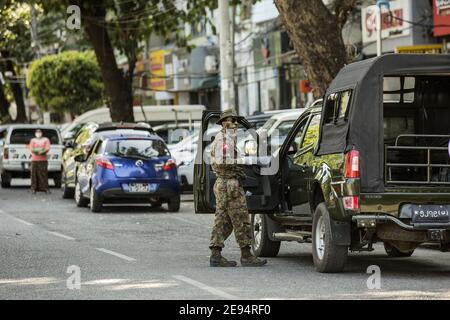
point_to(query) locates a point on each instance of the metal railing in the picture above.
(429, 165)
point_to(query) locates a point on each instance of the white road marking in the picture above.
(24, 222)
(205, 287)
(57, 234)
(17, 219)
(119, 255)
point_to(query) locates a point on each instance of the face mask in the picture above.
(38, 135)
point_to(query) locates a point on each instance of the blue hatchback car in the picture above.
(127, 169)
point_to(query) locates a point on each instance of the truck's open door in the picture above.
(260, 194)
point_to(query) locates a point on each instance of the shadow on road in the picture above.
(434, 265)
(130, 209)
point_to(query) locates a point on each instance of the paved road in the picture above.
(147, 253)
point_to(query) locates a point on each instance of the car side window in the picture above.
(298, 137)
(330, 107)
(312, 132)
(337, 107)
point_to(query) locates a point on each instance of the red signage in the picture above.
(441, 17)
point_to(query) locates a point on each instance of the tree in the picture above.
(316, 33)
(67, 82)
(4, 105)
(126, 26)
(15, 47)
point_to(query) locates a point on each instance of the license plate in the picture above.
(430, 213)
(142, 187)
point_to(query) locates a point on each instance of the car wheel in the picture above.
(6, 180)
(327, 256)
(174, 204)
(57, 179)
(261, 244)
(393, 252)
(67, 193)
(80, 200)
(96, 203)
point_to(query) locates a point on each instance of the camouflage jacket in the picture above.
(225, 157)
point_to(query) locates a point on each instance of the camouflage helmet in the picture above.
(230, 113)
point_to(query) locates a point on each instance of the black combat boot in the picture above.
(216, 259)
(249, 260)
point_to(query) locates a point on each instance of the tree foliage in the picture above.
(66, 82)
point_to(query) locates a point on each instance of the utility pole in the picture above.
(377, 8)
(226, 58)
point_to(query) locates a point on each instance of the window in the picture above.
(298, 136)
(337, 107)
(24, 136)
(344, 104)
(330, 107)
(284, 128)
(312, 133)
(133, 148)
(398, 89)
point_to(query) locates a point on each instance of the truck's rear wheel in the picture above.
(327, 256)
(261, 244)
(395, 253)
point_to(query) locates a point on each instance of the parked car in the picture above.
(85, 140)
(173, 133)
(15, 161)
(153, 115)
(371, 165)
(123, 168)
(184, 154)
(257, 120)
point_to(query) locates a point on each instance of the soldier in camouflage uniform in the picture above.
(231, 205)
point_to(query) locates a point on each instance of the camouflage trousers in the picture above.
(231, 214)
(39, 175)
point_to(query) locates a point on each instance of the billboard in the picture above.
(441, 17)
(390, 27)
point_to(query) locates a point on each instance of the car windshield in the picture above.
(269, 123)
(24, 136)
(137, 148)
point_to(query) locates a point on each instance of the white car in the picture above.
(15, 161)
(184, 153)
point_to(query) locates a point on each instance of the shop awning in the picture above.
(208, 83)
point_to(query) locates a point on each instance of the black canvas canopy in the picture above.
(364, 129)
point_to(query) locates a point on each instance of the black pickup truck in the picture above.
(371, 164)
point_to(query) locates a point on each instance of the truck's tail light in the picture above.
(170, 164)
(351, 169)
(6, 153)
(351, 203)
(104, 163)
